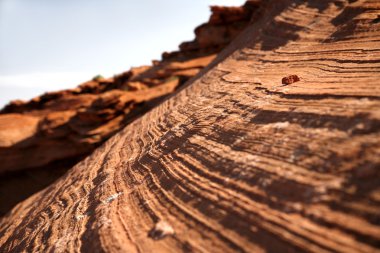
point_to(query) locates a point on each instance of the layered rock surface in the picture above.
(42, 138)
(236, 161)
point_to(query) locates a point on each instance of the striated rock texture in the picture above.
(42, 138)
(236, 161)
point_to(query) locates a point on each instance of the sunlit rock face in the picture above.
(272, 147)
(42, 138)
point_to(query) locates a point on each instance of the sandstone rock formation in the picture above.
(42, 138)
(236, 161)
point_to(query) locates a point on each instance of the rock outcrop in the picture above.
(44, 137)
(237, 161)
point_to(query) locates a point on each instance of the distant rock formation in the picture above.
(42, 138)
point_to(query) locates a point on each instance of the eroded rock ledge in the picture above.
(42, 138)
(237, 161)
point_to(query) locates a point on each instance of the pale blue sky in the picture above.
(47, 45)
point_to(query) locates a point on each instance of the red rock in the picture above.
(232, 162)
(62, 127)
(290, 79)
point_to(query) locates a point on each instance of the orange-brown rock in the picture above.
(235, 161)
(225, 24)
(58, 129)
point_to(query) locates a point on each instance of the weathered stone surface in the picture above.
(62, 127)
(237, 161)
(14, 128)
